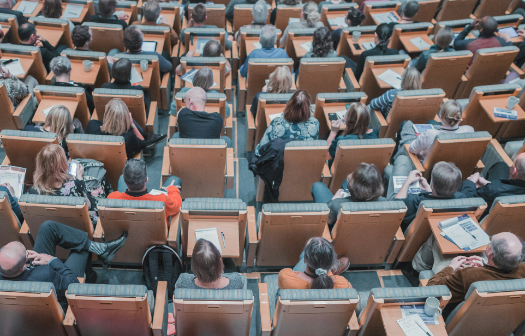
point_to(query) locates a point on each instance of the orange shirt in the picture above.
(172, 202)
(288, 279)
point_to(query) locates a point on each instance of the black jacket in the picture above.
(48, 52)
(497, 188)
(111, 20)
(88, 90)
(20, 18)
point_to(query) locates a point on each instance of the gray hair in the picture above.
(268, 36)
(60, 65)
(135, 174)
(151, 10)
(519, 164)
(504, 258)
(260, 12)
(446, 179)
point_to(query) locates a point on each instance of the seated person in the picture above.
(382, 37)
(212, 48)
(106, 14)
(357, 121)
(322, 45)
(61, 68)
(441, 44)
(310, 18)
(260, 15)
(198, 19)
(267, 40)
(195, 123)
(364, 184)
(47, 267)
(408, 11)
(16, 89)
(121, 73)
(28, 36)
(296, 122)
(59, 121)
(411, 80)
(118, 121)
(318, 268)
(135, 177)
(53, 9)
(354, 17)
(5, 8)
(273, 14)
(208, 270)
(230, 8)
(82, 37)
(500, 181)
(280, 81)
(151, 13)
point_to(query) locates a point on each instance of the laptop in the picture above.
(149, 46)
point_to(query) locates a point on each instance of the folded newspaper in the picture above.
(15, 176)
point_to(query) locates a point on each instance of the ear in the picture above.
(147, 179)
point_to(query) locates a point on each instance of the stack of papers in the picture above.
(135, 76)
(200, 45)
(292, 20)
(27, 7)
(392, 78)
(369, 45)
(257, 45)
(338, 22)
(14, 67)
(419, 310)
(413, 325)
(72, 11)
(210, 235)
(275, 115)
(385, 17)
(15, 176)
(414, 188)
(464, 232)
(420, 43)
(188, 77)
(307, 46)
(505, 113)
(341, 114)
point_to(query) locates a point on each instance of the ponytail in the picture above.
(319, 256)
(451, 113)
(383, 32)
(323, 281)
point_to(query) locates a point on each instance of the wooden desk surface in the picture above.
(489, 103)
(128, 11)
(146, 76)
(445, 245)
(250, 44)
(379, 71)
(409, 46)
(334, 15)
(297, 41)
(79, 75)
(230, 228)
(391, 313)
(25, 61)
(272, 110)
(362, 39)
(51, 34)
(37, 10)
(333, 108)
(48, 102)
(156, 38)
(81, 18)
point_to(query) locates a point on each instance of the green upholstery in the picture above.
(415, 93)
(307, 143)
(102, 25)
(55, 200)
(273, 61)
(83, 53)
(37, 19)
(294, 207)
(197, 142)
(117, 203)
(84, 289)
(373, 206)
(213, 294)
(214, 206)
(458, 136)
(25, 134)
(119, 92)
(26, 286)
(515, 199)
(91, 137)
(366, 142)
(61, 89)
(454, 204)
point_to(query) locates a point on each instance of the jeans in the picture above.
(122, 187)
(402, 167)
(224, 137)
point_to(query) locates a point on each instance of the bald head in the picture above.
(517, 171)
(12, 259)
(506, 251)
(195, 99)
(487, 26)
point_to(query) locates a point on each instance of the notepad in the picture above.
(119, 13)
(413, 325)
(292, 20)
(505, 113)
(135, 76)
(422, 128)
(27, 7)
(392, 78)
(464, 232)
(509, 30)
(385, 17)
(210, 235)
(15, 176)
(338, 21)
(72, 11)
(15, 68)
(408, 310)
(257, 45)
(369, 45)
(200, 45)
(149, 46)
(155, 192)
(307, 46)
(159, 19)
(275, 115)
(420, 43)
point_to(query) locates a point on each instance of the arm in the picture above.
(469, 189)
(244, 67)
(422, 142)
(14, 204)
(63, 275)
(460, 43)
(173, 201)
(164, 64)
(336, 124)
(174, 36)
(229, 11)
(422, 61)
(520, 59)
(412, 177)
(381, 101)
(360, 66)
(452, 277)
(264, 140)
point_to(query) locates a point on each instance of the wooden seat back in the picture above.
(214, 63)
(55, 31)
(456, 10)
(331, 11)
(10, 21)
(135, 104)
(427, 10)
(505, 215)
(80, 56)
(191, 35)
(171, 12)
(284, 13)
(492, 8)
(11, 118)
(8, 221)
(320, 75)
(260, 69)
(242, 15)
(29, 55)
(410, 30)
(215, 14)
(377, 7)
(454, 64)
(251, 35)
(106, 37)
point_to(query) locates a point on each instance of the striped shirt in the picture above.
(384, 102)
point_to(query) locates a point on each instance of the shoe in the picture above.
(91, 277)
(154, 139)
(341, 266)
(112, 247)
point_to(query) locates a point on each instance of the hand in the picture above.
(42, 259)
(110, 59)
(123, 17)
(475, 261)
(458, 262)
(9, 187)
(30, 255)
(338, 194)
(191, 23)
(80, 172)
(505, 36)
(164, 20)
(39, 44)
(482, 182)
(474, 23)
(40, 38)
(521, 32)
(4, 72)
(265, 88)
(190, 53)
(131, 120)
(424, 184)
(413, 176)
(336, 125)
(474, 178)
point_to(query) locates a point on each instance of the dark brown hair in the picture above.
(121, 71)
(212, 48)
(132, 38)
(52, 9)
(365, 183)
(80, 35)
(319, 255)
(357, 120)
(206, 261)
(106, 7)
(298, 107)
(198, 13)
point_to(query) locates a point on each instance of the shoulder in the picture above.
(237, 280)
(313, 120)
(289, 279)
(93, 125)
(340, 282)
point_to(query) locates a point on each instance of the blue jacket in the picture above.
(263, 53)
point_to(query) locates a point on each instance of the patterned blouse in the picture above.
(280, 128)
(16, 90)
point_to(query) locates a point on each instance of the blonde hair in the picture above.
(443, 37)
(357, 120)
(280, 80)
(311, 14)
(60, 122)
(411, 79)
(116, 118)
(451, 113)
(51, 169)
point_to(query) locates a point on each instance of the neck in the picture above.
(215, 284)
(195, 24)
(63, 79)
(139, 190)
(83, 48)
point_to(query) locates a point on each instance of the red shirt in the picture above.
(172, 202)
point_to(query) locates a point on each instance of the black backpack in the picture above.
(161, 263)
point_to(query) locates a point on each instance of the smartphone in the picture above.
(73, 166)
(332, 116)
(357, 46)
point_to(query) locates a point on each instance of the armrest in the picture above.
(252, 237)
(342, 85)
(24, 112)
(165, 86)
(423, 282)
(99, 232)
(242, 91)
(415, 161)
(326, 233)
(49, 78)
(174, 231)
(264, 309)
(160, 311)
(353, 80)
(153, 118)
(228, 127)
(500, 152)
(6, 161)
(379, 122)
(172, 126)
(520, 72)
(69, 323)
(25, 235)
(229, 168)
(353, 325)
(326, 174)
(235, 50)
(165, 172)
(399, 240)
(479, 167)
(178, 83)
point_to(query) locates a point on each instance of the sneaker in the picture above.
(341, 266)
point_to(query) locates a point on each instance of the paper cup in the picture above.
(144, 65)
(356, 35)
(512, 102)
(87, 65)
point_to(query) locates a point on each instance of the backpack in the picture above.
(161, 263)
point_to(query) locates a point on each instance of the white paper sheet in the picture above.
(420, 43)
(292, 20)
(72, 11)
(119, 13)
(15, 68)
(12, 179)
(414, 188)
(459, 236)
(338, 21)
(419, 310)
(46, 111)
(15, 176)
(200, 45)
(257, 45)
(341, 114)
(156, 192)
(369, 45)
(27, 7)
(307, 45)
(413, 325)
(385, 17)
(392, 78)
(210, 235)
(135, 76)
(275, 115)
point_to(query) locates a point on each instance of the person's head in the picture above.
(411, 79)
(135, 175)
(51, 169)
(260, 12)
(59, 121)
(133, 38)
(12, 259)
(151, 11)
(116, 118)
(319, 257)
(280, 80)
(410, 9)
(310, 13)
(82, 37)
(517, 171)
(487, 26)
(445, 179)
(354, 17)
(106, 8)
(61, 67)
(322, 42)
(6, 4)
(52, 9)
(290, 2)
(195, 99)
(198, 13)
(121, 71)
(443, 37)
(268, 36)
(212, 48)
(357, 119)
(206, 261)
(505, 251)
(450, 113)
(383, 34)
(203, 79)
(365, 183)
(27, 33)
(297, 109)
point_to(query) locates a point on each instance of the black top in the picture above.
(199, 125)
(497, 188)
(520, 59)
(111, 20)
(376, 51)
(31, 128)
(20, 18)
(48, 52)
(255, 104)
(128, 86)
(133, 144)
(88, 90)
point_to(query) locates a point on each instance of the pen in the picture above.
(223, 239)
(8, 61)
(426, 332)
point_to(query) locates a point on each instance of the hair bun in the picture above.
(321, 271)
